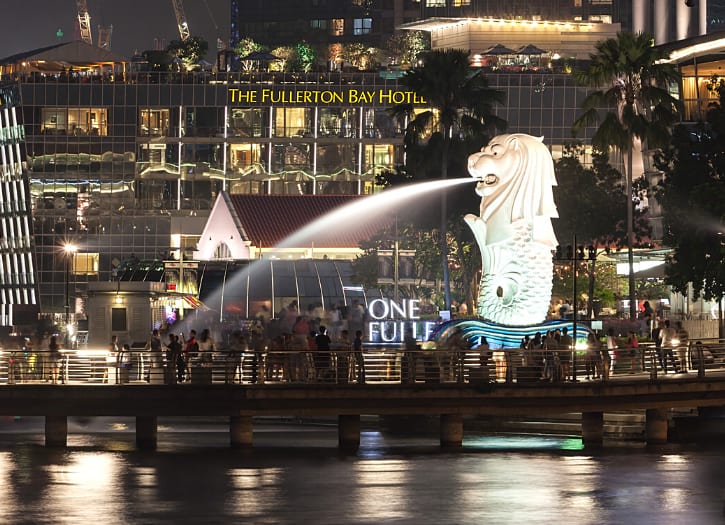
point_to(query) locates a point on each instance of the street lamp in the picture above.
(69, 249)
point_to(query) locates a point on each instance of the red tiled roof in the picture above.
(267, 220)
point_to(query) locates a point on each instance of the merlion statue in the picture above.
(515, 176)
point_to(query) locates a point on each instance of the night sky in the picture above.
(30, 24)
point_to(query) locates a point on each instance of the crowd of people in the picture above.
(295, 346)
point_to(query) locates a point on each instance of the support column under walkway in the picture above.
(56, 431)
(593, 429)
(451, 430)
(348, 432)
(146, 432)
(241, 431)
(656, 426)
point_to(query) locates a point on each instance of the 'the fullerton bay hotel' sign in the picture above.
(342, 96)
(391, 320)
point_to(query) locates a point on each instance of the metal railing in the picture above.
(372, 366)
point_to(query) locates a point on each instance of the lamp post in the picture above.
(69, 249)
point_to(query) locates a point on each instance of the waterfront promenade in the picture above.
(450, 386)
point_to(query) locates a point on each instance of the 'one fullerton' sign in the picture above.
(345, 96)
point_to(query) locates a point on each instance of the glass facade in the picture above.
(132, 168)
(249, 285)
(18, 286)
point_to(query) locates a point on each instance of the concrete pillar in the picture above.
(348, 431)
(451, 430)
(592, 428)
(241, 430)
(640, 16)
(683, 20)
(146, 432)
(656, 426)
(56, 431)
(662, 9)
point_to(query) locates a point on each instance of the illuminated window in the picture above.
(292, 122)
(245, 156)
(74, 121)
(461, 3)
(154, 122)
(435, 3)
(337, 26)
(85, 263)
(362, 26)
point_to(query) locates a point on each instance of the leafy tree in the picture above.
(361, 56)
(286, 57)
(157, 60)
(460, 105)
(591, 202)
(693, 208)
(247, 46)
(305, 57)
(404, 47)
(631, 87)
(189, 51)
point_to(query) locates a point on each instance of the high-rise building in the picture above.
(373, 22)
(18, 287)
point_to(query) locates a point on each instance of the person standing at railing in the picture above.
(321, 354)
(174, 361)
(667, 340)
(484, 354)
(657, 338)
(632, 349)
(297, 358)
(408, 361)
(205, 345)
(565, 351)
(111, 359)
(592, 356)
(154, 348)
(683, 338)
(189, 354)
(357, 349)
(55, 359)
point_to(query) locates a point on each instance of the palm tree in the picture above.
(632, 82)
(460, 104)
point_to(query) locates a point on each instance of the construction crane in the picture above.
(84, 21)
(104, 36)
(181, 20)
(84, 25)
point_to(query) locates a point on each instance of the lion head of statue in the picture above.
(516, 172)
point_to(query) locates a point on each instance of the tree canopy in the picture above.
(691, 195)
(189, 51)
(631, 81)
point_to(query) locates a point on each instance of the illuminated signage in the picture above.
(344, 96)
(391, 320)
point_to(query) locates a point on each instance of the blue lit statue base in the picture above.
(503, 336)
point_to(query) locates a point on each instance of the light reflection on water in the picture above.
(296, 475)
